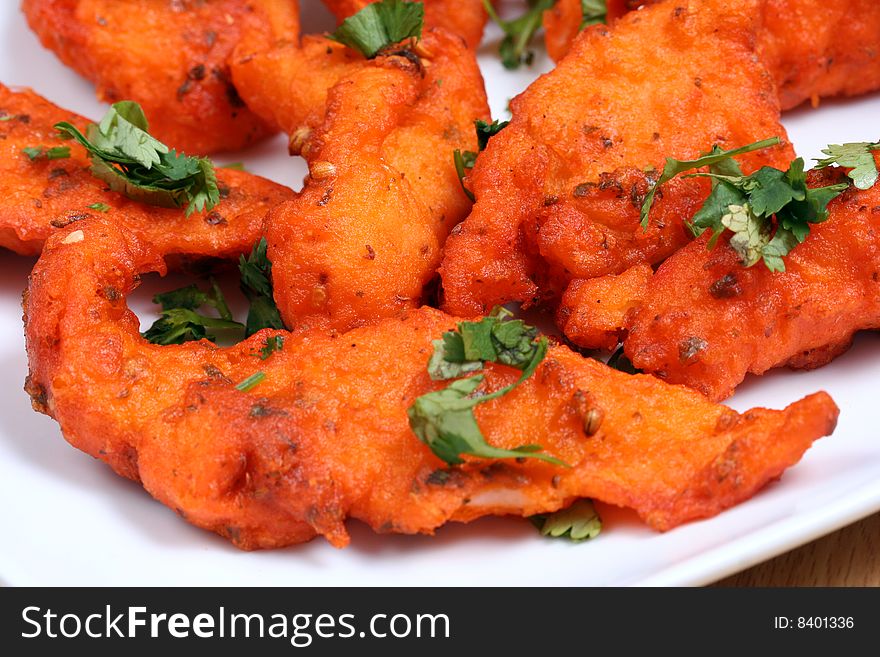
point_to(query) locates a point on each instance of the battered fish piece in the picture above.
(813, 48)
(171, 57)
(705, 321)
(559, 190)
(39, 197)
(325, 436)
(365, 236)
(466, 18)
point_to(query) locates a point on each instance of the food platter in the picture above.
(70, 521)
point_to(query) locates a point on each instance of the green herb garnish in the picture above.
(519, 32)
(180, 323)
(256, 284)
(273, 344)
(444, 420)
(718, 160)
(857, 156)
(748, 205)
(131, 162)
(465, 160)
(42, 153)
(251, 382)
(579, 522)
(380, 25)
(620, 362)
(593, 12)
(100, 207)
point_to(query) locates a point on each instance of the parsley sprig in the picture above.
(380, 25)
(180, 323)
(132, 162)
(858, 156)
(256, 284)
(519, 32)
(444, 420)
(579, 522)
(465, 160)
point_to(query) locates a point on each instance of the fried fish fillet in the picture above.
(705, 321)
(813, 48)
(559, 190)
(465, 18)
(171, 57)
(38, 197)
(365, 236)
(325, 436)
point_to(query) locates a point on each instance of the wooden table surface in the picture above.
(848, 557)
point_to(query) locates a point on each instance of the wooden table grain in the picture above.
(848, 557)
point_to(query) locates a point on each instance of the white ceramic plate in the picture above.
(68, 520)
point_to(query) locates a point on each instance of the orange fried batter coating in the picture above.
(465, 18)
(171, 57)
(813, 48)
(705, 321)
(559, 190)
(39, 197)
(325, 436)
(365, 236)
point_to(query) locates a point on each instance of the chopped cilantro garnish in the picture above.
(180, 323)
(100, 207)
(747, 206)
(593, 12)
(579, 522)
(256, 284)
(131, 162)
(718, 160)
(380, 25)
(273, 344)
(251, 382)
(857, 156)
(42, 153)
(444, 420)
(465, 160)
(519, 32)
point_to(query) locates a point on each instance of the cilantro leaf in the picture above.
(444, 420)
(256, 284)
(132, 162)
(593, 12)
(859, 157)
(100, 207)
(273, 344)
(180, 323)
(519, 32)
(747, 206)
(718, 160)
(579, 522)
(42, 153)
(465, 160)
(380, 25)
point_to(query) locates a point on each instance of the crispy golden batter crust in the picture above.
(705, 321)
(325, 436)
(39, 197)
(171, 57)
(813, 48)
(559, 190)
(365, 236)
(465, 18)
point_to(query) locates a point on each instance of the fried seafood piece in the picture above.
(559, 189)
(171, 57)
(40, 196)
(325, 435)
(813, 48)
(705, 321)
(365, 236)
(465, 18)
